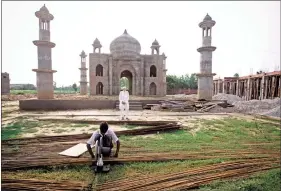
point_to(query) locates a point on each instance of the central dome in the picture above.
(125, 46)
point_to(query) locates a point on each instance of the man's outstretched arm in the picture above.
(90, 150)
(117, 148)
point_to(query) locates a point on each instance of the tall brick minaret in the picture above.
(44, 73)
(205, 77)
(83, 77)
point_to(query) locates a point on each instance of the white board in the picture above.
(76, 150)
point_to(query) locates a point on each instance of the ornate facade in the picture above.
(146, 73)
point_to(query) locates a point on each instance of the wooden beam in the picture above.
(279, 87)
(237, 88)
(273, 87)
(262, 88)
(266, 87)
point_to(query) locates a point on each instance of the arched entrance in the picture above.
(99, 89)
(152, 89)
(127, 74)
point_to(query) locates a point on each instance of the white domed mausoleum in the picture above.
(146, 73)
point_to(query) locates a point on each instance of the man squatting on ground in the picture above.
(103, 142)
(124, 103)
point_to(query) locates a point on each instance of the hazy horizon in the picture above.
(246, 34)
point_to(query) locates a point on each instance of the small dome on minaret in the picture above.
(44, 9)
(207, 18)
(83, 55)
(155, 43)
(207, 22)
(44, 14)
(97, 43)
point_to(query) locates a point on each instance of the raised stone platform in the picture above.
(53, 104)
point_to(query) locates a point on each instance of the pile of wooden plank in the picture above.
(171, 105)
(187, 106)
(36, 184)
(205, 106)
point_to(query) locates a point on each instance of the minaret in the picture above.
(44, 73)
(205, 77)
(83, 77)
(155, 46)
(164, 74)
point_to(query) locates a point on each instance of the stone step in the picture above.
(133, 105)
(132, 102)
(134, 108)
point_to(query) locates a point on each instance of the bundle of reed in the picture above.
(192, 178)
(40, 161)
(34, 184)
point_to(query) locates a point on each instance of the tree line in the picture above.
(173, 82)
(181, 82)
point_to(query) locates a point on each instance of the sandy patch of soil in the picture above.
(155, 136)
(71, 130)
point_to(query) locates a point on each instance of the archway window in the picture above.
(152, 71)
(129, 80)
(156, 50)
(124, 82)
(152, 89)
(99, 89)
(228, 88)
(99, 70)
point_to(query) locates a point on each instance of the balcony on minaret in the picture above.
(44, 17)
(206, 26)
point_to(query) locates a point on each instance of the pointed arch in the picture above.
(153, 71)
(99, 70)
(152, 89)
(99, 89)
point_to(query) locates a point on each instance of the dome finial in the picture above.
(207, 18)
(155, 43)
(125, 32)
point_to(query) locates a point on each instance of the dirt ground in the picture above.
(11, 114)
(189, 120)
(13, 97)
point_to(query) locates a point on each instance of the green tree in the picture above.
(184, 81)
(54, 85)
(74, 86)
(236, 75)
(193, 81)
(124, 82)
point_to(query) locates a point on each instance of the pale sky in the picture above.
(246, 34)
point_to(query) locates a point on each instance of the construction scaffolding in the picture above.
(259, 86)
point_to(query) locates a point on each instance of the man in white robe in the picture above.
(124, 103)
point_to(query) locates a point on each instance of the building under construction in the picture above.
(259, 86)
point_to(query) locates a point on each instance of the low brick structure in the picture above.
(5, 83)
(259, 86)
(37, 104)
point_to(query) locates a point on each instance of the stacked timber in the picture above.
(34, 184)
(188, 106)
